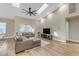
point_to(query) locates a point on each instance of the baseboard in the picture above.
(58, 39)
(70, 41)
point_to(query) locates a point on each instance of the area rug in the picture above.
(44, 43)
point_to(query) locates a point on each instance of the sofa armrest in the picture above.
(36, 43)
(20, 46)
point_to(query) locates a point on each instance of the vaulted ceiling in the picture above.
(8, 11)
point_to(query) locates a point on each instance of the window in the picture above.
(25, 28)
(2, 28)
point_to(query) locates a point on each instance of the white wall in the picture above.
(56, 22)
(74, 29)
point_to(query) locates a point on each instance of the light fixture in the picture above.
(42, 8)
(16, 5)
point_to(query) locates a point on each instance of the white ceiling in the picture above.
(8, 11)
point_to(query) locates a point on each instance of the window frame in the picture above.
(4, 30)
(26, 26)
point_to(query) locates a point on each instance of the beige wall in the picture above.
(12, 25)
(9, 26)
(21, 20)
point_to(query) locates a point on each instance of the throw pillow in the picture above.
(19, 39)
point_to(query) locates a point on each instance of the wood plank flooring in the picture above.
(8, 47)
(55, 48)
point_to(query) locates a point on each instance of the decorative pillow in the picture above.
(19, 39)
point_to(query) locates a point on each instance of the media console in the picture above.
(47, 36)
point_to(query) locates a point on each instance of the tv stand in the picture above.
(47, 36)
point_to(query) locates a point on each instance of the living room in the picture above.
(27, 31)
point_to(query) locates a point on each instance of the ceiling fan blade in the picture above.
(33, 14)
(24, 10)
(26, 13)
(34, 11)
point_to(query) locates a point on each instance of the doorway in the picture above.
(72, 29)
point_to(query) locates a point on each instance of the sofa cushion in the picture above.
(28, 34)
(36, 41)
(24, 38)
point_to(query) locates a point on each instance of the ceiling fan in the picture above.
(30, 12)
(34, 12)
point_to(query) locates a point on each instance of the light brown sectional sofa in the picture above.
(27, 44)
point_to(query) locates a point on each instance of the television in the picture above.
(46, 30)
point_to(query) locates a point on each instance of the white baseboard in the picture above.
(74, 40)
(59, 39)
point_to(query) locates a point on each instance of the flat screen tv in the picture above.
(46, 30)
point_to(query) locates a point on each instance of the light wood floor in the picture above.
(9, 47)
(55, 48)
